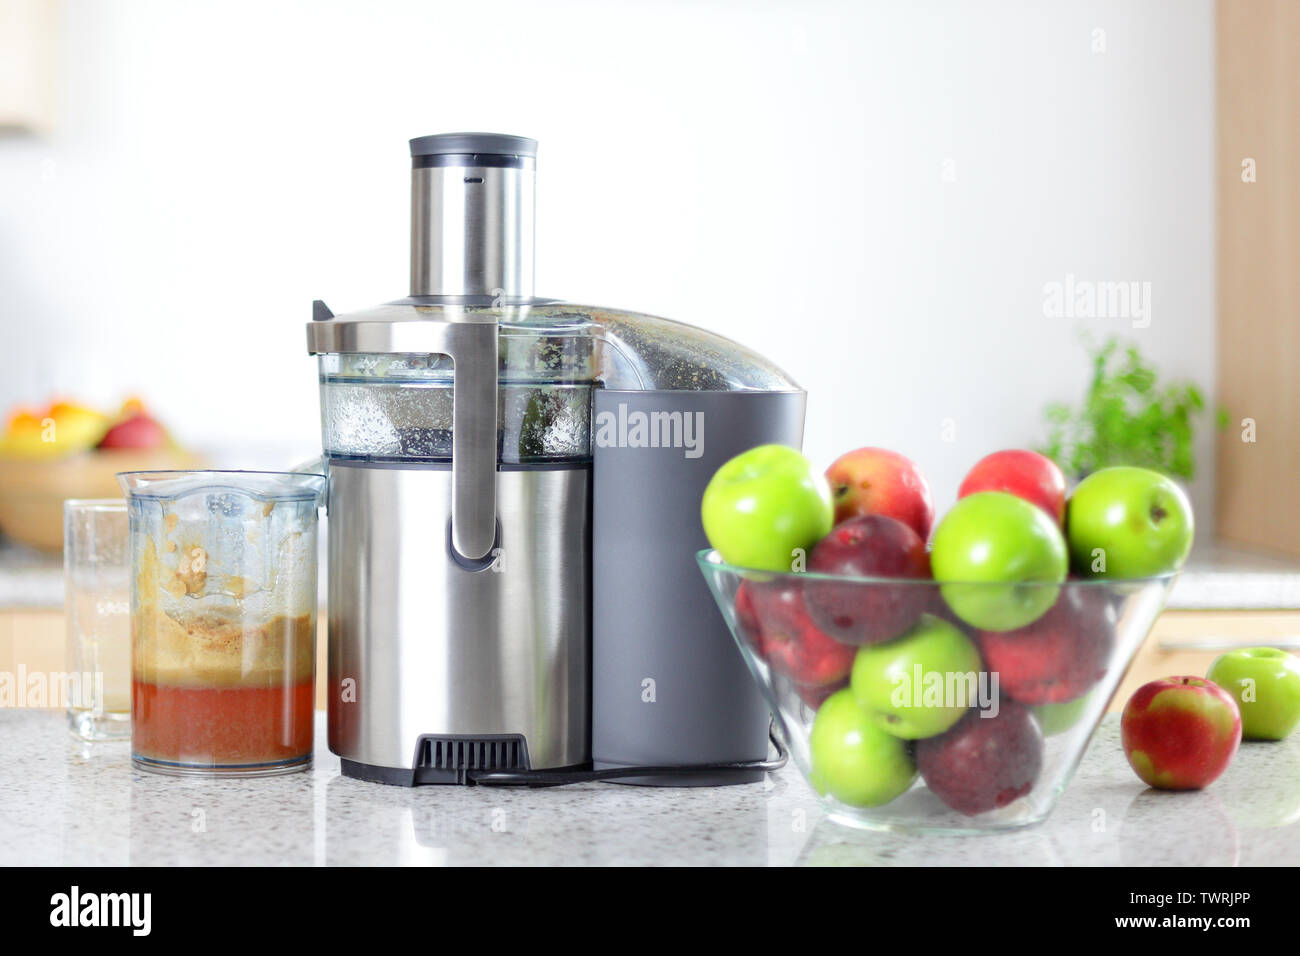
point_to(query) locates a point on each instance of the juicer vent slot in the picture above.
(439, 757)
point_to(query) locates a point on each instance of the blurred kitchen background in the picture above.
(906, 204)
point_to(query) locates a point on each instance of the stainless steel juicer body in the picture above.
(439, 649)
(476, 486)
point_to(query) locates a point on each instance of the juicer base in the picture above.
(392, 776)
(447, 759)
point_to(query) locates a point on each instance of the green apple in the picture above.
(1266, 683)
(1126, 522)
(999, 560)
(853, 760)
(766, 507)
(920, 684)
(1057, 718)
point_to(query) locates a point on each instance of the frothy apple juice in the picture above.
(215, 687)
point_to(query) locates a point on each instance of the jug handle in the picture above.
(320, 465)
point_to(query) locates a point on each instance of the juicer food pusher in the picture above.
(513, 504)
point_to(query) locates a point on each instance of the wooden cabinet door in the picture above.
(1258, 460)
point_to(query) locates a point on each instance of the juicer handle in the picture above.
(473, 349)
(471, 343)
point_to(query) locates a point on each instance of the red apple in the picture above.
(874, 481)
(788, 640)
(746, 615)
(1025, 474)
(872, 546)
(139, 431)
(983, 763)
(1059, 656)
(1180, 733)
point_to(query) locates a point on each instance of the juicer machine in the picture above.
(513, 510)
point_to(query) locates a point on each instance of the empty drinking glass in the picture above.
(97, 604)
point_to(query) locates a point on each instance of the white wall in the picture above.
(774, 171)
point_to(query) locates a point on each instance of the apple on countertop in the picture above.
(1180, 733)
(1265, 682)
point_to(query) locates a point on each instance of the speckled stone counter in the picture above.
(67, 803)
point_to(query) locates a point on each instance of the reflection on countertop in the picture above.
(1218, 576)
(74, 804)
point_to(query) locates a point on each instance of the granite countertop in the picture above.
(63, 802)
(1217, 576)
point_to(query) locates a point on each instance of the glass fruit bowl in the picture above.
(903, 716)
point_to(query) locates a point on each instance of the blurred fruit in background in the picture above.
(60, 429)
(70, 450)
(136, 429)
(65, 428)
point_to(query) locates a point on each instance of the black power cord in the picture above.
(563, 778)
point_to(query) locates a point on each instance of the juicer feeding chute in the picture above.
(472, 217)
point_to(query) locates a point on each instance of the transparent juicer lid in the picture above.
(380, 401)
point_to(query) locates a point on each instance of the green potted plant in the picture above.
(1128, 417)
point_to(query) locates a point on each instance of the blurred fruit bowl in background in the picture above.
(69, 450)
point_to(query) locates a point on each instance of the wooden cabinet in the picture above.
(1160, 656)
(1258, 189)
